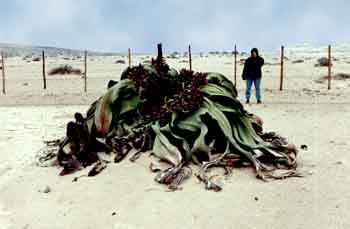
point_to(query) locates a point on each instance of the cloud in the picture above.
(206, 25)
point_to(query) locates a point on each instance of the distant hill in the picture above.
(12, 50)
(310, 48)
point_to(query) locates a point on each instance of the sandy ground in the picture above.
(125, 195)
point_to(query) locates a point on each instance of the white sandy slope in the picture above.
(305, 112)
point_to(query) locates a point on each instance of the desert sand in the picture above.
(125, 195)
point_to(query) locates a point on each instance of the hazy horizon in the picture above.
(114, 26)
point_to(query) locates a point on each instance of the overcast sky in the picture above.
(115, 25)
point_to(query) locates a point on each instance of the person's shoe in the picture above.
(259, 101)
(247, 101)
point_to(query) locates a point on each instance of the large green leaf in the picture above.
(222, 81)
(127, 105)
(215, 90)
(225, 108)
(222, 98)
(190, 121)
(111, 101)
(164, 149)
(120, 90)
(200, 144)
(219, 116)
(224, 103)
(226, 128)
(244, 133)
(183, 142)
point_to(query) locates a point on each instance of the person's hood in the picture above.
(255, 50)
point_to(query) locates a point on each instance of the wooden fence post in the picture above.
(329, 67)
(159, 52)
(235, 72)
(282, 68)
(3, 73)
(85, 71)
(129, 56)
(190, 57)
(44, 71)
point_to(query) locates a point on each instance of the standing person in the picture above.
(252, 74)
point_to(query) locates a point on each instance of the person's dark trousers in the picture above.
(249, 83)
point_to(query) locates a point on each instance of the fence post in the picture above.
(85, 71)
(235, 72)
(3, 73)
(44, 71)
(329, 67)
(159, 52)
(190, 57)
(282, 68)
(129, 56)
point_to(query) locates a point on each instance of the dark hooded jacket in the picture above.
(252, 67)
